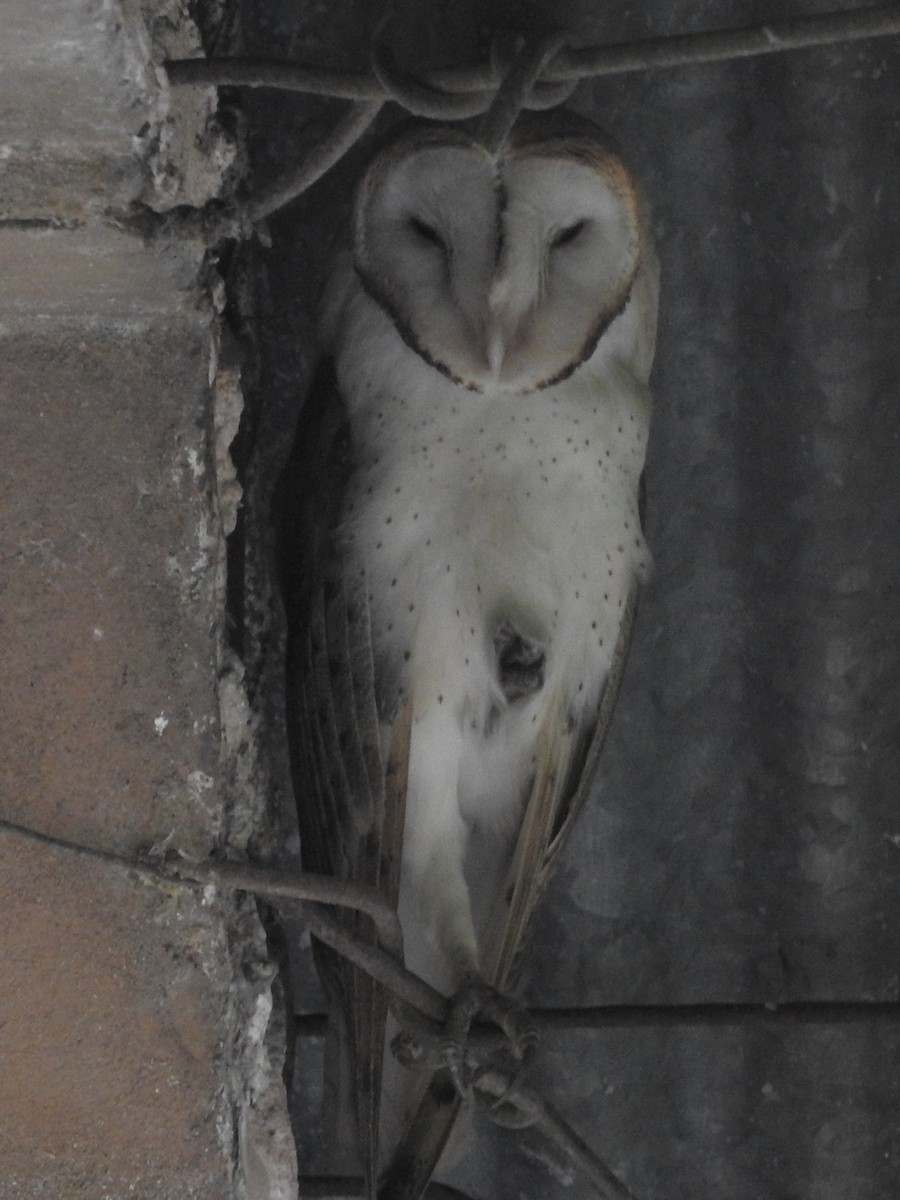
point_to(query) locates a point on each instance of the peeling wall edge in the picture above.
(189, 159)
(255, 1126)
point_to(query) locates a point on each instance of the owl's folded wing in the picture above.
(350, 795)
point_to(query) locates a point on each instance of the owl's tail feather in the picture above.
(413, 1164)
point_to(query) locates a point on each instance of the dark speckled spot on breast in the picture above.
(520, 662)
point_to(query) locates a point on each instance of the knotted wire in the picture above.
(541, 74)
(309, 897)
(568, 66)
(500, 1096)
(518, 84)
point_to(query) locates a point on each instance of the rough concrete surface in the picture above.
(112, 1003)
(87, 120)
(139, 1041)
(109, 598)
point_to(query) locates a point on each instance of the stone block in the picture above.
(88, 124)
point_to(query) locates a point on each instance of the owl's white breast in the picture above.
(470, 508)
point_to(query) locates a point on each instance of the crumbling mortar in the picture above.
(254, 1123)
(190, 159)
(188, 154)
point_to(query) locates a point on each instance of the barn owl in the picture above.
(460, 602)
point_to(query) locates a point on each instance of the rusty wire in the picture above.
(304, 896)
(542, 74)
(593, 62)
(723, 1014)
(322, 158)
(517, 85)
(350, 1187)
(272, 883)
(309, 897)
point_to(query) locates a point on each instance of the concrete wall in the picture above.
(135, 1029)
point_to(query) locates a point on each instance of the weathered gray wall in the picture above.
(744, 841)
(133, 1050)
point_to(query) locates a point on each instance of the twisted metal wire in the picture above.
(350, 1187)
(518, 83)
(311, 897)
(305, 895)
(321, 158)
(573, 64)
(541, 75)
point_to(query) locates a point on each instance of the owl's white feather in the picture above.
(469, 510)
(492, 332)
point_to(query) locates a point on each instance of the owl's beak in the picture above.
(496, 352)
(500, 327)
(515, 287)
(504, 330)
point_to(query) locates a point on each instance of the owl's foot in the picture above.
(413, 1051)
(463, 1058)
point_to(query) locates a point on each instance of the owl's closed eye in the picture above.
(503, 275)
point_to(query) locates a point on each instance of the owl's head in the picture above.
(503, 272)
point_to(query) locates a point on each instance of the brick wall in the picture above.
(137, 1054)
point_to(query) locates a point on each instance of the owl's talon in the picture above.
(453, 1059)
(482, 1002)
(473, 1002)
(528, 1041)
(409, 1051)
